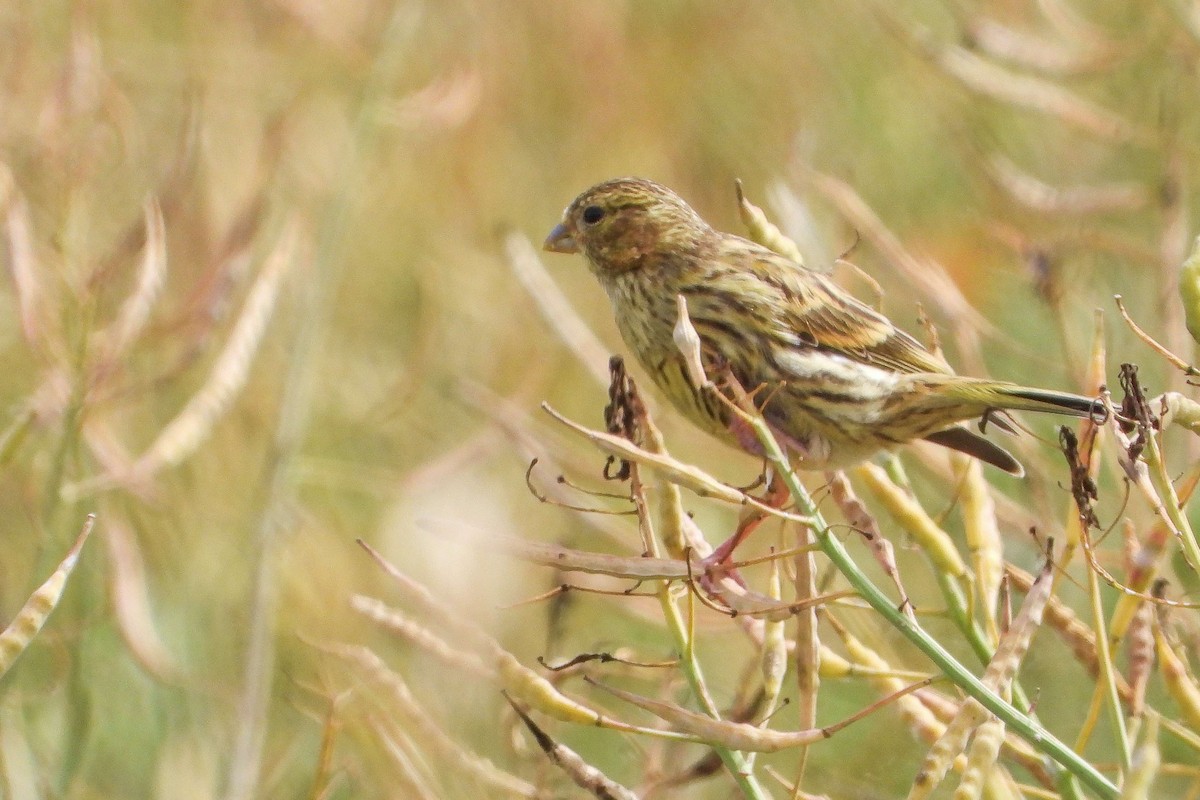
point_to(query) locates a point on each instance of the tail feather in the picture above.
(1053, 402)
(1013, 397)
(966, 441)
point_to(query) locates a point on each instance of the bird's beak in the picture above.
(560, 240)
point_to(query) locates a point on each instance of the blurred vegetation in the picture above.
(262, 303)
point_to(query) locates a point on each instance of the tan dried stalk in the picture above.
(180, 438)
(1034, 94)
(1037, 195)
(135, 311)
(132, 605)
(30, 293)
(997, 676)
(374, 671)
(583, 774)
(19, 633)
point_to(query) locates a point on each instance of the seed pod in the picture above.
(1189, 290)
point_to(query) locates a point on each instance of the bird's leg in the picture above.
(717, 562)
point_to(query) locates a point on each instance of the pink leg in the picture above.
(717, 563)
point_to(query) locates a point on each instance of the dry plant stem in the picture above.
(1073, 26)
(1029, 92)
(135, 311)
(374, 671)
(411, 774)
(983, 540)
(637, 492)
(402, 627)
(516, 426)
(582, 773)
(746, 603)
(324, 781)
(1044, 198)
(1106, 688)
(959, 675)
(518, 680)
(952, 574)
(250, 736)
(1153, 344)
(738, 766)
(132, 605)
(1058, 55)
(1169, 500)
(1156, 486)
(864, 523)
(699, 482)
(15, 638)
(795, 791)
(180, 438)
(808, 643)
(643, 568)
(997, 676)
(29, 292)
(745, 736)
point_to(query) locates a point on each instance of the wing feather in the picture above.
(826, 316)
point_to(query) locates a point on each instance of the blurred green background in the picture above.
(401, 142)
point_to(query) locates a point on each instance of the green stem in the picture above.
(1019, 723)
(1108, 681)
(956, 602)
(1170, 500)
(740, 768)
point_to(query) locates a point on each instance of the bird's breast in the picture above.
(646, 316)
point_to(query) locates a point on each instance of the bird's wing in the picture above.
(825, 316)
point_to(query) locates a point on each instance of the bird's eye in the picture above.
(593, 214)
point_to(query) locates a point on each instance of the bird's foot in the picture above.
(718, 564)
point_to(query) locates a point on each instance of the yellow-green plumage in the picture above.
(836, 380)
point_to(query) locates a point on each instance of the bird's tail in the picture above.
(966, 441)
(1012, 397)
(980, 396)
(1026, 399)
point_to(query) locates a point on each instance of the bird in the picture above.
(835, 380)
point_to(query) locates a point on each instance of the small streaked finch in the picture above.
(835, 380)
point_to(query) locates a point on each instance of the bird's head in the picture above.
(628, 223)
